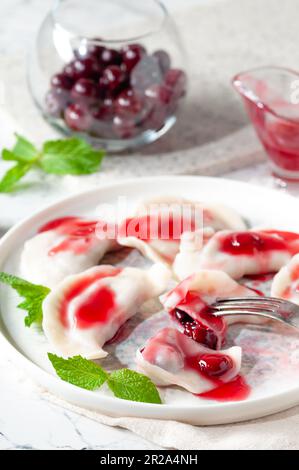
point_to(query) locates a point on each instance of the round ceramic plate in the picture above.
(270, 362)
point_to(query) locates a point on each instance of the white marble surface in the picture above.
(27, 421)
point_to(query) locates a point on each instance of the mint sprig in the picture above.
(124, 383)
(33, 296)
(72, 156)
(79, 371)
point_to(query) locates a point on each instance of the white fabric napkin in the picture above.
(279, 431)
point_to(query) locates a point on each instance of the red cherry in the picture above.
(205, 336)
(182, 316)
(105, 111)
(83, 68)
(61, 80)
(124, 127)
(200, 334)
(176, 80)
(104, 87)
(131, 55)
(102, 124)
(159, 93)
(128, 103)
(77, 117)
(109, 57)
(215, 365)
(85, 90)
(114, 77)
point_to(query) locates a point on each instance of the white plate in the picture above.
(271, 357)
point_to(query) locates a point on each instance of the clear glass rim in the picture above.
(237, 80)
(152, 32)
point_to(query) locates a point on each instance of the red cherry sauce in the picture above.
(235, 390)
(282, 144)
(79, 234)
(291, 239)
(213, 367)
(259, 278)
(279, 136)
(260, 244)
(56, 224)
(166, 227)
(251, 243)
(97, 308)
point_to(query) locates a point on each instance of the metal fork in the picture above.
(269, 307)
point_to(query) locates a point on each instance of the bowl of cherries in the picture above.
(118, 90)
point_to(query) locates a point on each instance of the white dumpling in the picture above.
(156, 227)
(86, 310)
(188, 259)
(188, 306)
(286, 282)
(170, 358)
(237, 253)
(61, 248)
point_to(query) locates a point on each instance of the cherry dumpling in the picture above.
(188, 306)
(170, 358)
(63, 247)
(236, 253)
(86, 310)
(285, 284)
(156, 227)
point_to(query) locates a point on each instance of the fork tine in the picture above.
(246, 304)
(255, 299)
(269, 315)
(239, 308)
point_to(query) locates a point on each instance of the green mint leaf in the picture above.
(126, 384)
(32, 294)
(60, 157)
(130, 385)
(79, 371)
(23, 151)
(12, 176)
(70, 157)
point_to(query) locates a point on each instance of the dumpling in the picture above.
(170, 358)
(188, 259)
(286, 282)
(86, 310)
(188, 306)
(63, 247)
(238, 253)
(158, 224)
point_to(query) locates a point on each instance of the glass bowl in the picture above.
(112, 71)
(270, 95)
